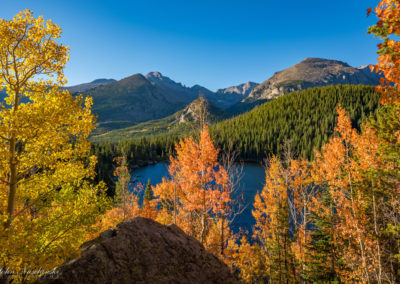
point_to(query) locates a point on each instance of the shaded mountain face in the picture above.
(223, 98)
(312, 72)
(88, 86)
(132, 100)
(171, 87)
(184, 120)
(177, 89)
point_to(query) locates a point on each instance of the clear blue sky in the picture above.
(208, 42)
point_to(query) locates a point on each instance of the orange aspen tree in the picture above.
(338, 167)
(387, 28)
(271, 212)
(386, 180)
(197, 189)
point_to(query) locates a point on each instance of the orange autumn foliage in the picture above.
(340, 166)
(198, 191)
(387, 28)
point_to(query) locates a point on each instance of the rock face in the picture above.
(312, 72)
(192, 112)
(141, 250)
(232, 95)
(243, 89)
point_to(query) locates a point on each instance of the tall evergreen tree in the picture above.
(148, 192)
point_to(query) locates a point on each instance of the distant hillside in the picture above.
(312, 72)
(306, 118)
(88, 86)
(132, 100)
(182, 121)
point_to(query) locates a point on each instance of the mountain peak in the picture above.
(154, 74)
(135, 78)
(317, 60)
(311, 72)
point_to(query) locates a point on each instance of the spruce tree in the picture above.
(148, 193)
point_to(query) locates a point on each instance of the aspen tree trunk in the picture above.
(124, 199)
(175, 204)
(203, 220)
(303, 268)
(333, 266)
(12, 182)
(13, 178)
(222, 241)
(354, 215)
(376, 234)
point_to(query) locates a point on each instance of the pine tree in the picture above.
(148, 193)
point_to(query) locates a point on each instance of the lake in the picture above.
(252, 180)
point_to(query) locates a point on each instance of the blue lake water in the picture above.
(252, 180)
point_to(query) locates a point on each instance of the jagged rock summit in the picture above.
(141, 250)
(312, 72)
(243, 89)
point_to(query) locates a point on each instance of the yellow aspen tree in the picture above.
(47, 199)
(302, 193)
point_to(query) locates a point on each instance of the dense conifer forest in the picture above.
(306, 119)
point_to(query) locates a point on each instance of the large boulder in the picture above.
(141, 250)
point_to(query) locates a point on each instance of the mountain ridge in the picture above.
(88, 86)
(312, 72)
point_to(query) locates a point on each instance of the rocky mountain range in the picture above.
(312, 72)
(139, 98)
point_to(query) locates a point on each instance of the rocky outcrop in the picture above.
(232, 95)
(312, 72)
(243, 89)
(201, 106)
(141, 250)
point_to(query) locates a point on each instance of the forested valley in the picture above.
(305, 119)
